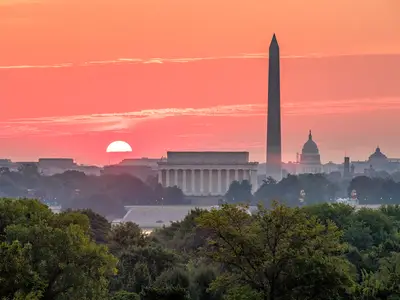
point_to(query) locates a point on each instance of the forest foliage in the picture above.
(323, 251)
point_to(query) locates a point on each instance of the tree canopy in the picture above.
(279, 253)
(48, 256)
(321, 251)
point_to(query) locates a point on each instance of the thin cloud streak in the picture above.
(66, 65)
(17, 2)
(124, 122)
(124, 61)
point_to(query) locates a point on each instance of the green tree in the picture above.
(389, 275)
(124, 295)
(139, 267)
(269, 190)
(17, 278)
(340, 214)
(62, 261)
(239, 192)
(383, 284)
(202, 276)
(22, 211)
(242, 292)
(175, 277)
(393, 211)
(281, 253)
(125, 235)
(165, 293)
(183, 236)
(173, 195)
(381, 225)
(99, 226)
(317, 188)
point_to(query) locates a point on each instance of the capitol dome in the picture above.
(377, 155)
(310, 147)
(310, 160)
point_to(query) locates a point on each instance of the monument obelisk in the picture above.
(274, 147)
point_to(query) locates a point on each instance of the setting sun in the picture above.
(119, 146)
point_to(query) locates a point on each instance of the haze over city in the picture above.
(131, 71)
(200, 150)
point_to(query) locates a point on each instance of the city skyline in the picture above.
(184, 87)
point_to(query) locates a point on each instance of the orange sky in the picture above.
(192, 75)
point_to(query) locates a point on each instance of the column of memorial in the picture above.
(184, 181)
(254, 180)
(219, 182)
(175, 177)
(160, 178)
(167, 178)
(193, 182)
(228, 181)
(210, 181)
(201, 182)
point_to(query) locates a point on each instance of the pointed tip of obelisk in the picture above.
(274, 42)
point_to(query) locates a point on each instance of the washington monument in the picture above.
(274, 146)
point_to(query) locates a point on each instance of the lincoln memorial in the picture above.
(206, 173)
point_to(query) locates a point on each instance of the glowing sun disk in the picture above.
(119, 146)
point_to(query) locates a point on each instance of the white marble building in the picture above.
(206, 173)
(310, 160)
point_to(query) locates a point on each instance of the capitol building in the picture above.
(310, 160)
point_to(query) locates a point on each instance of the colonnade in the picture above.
(205, 181)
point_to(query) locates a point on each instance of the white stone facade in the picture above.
(206, 173)
(310, 160)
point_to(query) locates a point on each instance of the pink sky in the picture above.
(192, 75)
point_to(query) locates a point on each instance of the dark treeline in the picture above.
(318, 188)
(323, 251)
(108, 194)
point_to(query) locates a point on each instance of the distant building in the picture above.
(51, 166)
(290, 167)
(17, 165)
(206, 173)
(4, 162)
(310, 160)
(89, 170)
(61, 163)
(141, 172)
(330, 167)
(144, 161)
(377, 162)
(346, 167)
